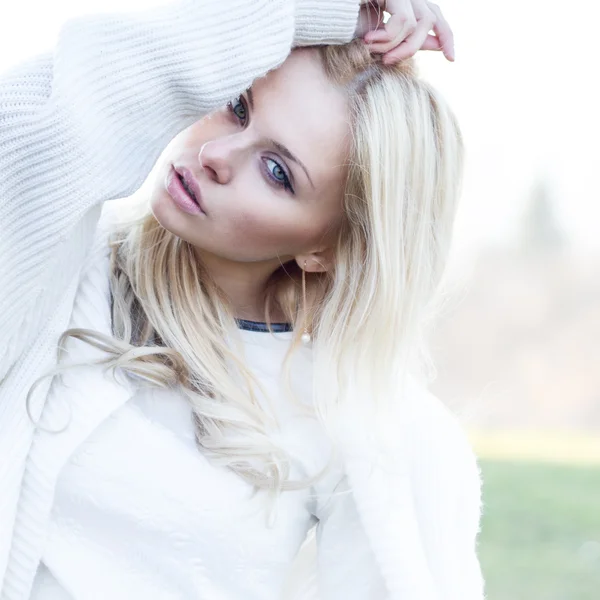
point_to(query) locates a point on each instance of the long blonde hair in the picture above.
(367, 315)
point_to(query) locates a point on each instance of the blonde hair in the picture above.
(367, 315)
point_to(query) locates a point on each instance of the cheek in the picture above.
(265, 223)
(273, 227)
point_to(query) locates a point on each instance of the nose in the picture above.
(220, 157)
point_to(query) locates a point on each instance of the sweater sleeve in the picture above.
(87, 122)
(447, 482)
(467, 571)
(463, 572)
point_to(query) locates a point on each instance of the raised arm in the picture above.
(87, 122)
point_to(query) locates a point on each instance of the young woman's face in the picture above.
(270, 168)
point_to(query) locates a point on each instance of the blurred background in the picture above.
(518, 345)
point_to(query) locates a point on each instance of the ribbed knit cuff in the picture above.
(325, 21)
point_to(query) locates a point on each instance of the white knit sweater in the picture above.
(86, 124)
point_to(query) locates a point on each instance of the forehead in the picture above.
(298, 106)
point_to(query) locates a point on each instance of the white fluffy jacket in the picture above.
(85, 124)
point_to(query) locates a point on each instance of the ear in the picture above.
(316, 262)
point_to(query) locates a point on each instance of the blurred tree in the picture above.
(540, 230)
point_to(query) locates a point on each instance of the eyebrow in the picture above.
(281, 147)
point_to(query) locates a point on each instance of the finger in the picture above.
(402, 25)
(399, 26)
(443, 32)
(378, 35)
(411, 45)
(431, 43)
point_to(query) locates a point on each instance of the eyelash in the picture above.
(286, 184)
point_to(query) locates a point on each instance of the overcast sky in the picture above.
(525, 86)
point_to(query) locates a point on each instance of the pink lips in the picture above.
(180, 195)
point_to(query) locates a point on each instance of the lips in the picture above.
(191, 185)
(187, 188)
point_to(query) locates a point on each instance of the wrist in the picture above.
(370, 18)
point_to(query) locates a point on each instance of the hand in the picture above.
(370, 18)
(407, 29)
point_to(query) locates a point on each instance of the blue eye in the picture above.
(238, 108)
(277, 173)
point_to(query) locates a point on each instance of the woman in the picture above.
(260, 313)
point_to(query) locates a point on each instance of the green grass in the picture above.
(540, 535)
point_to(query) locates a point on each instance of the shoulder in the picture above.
(443, 464)
(415, 428)
(428, 421)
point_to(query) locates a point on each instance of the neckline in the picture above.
(259, 326)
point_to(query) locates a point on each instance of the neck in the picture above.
(244, 285)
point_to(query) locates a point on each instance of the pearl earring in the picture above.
(306, 335)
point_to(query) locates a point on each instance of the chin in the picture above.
(166, 214)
